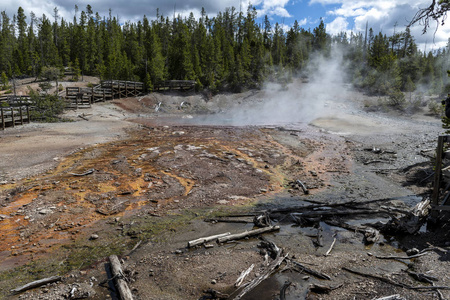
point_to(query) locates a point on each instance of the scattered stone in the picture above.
(45, 211)
(94, 236)
(213, 281)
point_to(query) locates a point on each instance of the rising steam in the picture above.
(301, 102)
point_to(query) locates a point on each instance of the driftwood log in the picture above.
(412, 222)
(121, 284)
(245, 234)
(206, 239)
(243, 275)
(36, 284)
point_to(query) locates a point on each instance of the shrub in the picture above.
(397, 99)
(46, 108)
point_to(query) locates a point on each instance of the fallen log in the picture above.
(36, 284)
(121, 284)
(412, 222)
(319, 205)
(206, 239)
(311, 271)
(245, 234)
(338, 212)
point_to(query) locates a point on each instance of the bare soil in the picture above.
(132, 175)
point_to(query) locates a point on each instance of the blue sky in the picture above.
(338, 15)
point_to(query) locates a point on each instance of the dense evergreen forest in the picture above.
(230, 51)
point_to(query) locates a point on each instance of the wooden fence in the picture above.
(11, 100)
(182, 85)
(12, 116)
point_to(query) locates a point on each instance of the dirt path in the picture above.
(34, 148)
(157, 178)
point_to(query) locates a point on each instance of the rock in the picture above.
(213, 281)
(94, 236)
(45, 211)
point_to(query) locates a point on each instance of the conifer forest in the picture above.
(228, 52)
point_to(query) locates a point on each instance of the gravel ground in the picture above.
(154, 176)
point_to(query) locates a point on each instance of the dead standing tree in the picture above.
(436, 11)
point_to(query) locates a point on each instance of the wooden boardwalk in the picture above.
(107, 90)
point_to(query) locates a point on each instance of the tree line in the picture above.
(230, 51)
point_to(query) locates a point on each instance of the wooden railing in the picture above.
(175, 85)
(12, 116)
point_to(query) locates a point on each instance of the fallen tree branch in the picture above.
(285, 286)
(245, 234)
(223, 220)
(391, 297)
(322, 289)
(36, 284)
(383, 279)
(331, 247)
(275, 264)
(305, 190)
(243, 275)
(206, 239)
(83, 174)
(116, 269)
(402, 257)
(311, 271)
(402, 285)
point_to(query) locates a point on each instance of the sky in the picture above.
(387, 16)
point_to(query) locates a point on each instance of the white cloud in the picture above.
(272, 7)
(338, 25)
(385, 16)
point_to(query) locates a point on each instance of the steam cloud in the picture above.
(301, 102)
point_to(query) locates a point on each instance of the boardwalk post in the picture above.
(12, 116)
(126, 88)
(3, 118)
(28, 114)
